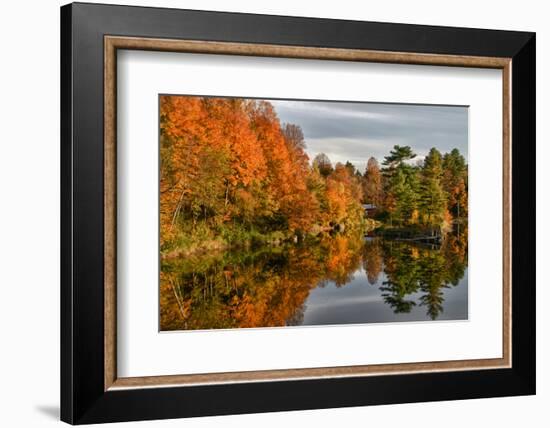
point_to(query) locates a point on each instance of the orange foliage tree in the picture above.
(229, 163)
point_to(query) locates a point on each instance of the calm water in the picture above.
(339, 280)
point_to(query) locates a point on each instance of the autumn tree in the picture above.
(207, 185)
(294, 136)
(322, 163)
(317, 186)
(344, 195)
(372, 183)
(304, 207)
(180, 130)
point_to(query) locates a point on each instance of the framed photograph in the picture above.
(266, 213)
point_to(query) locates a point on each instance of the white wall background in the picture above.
(29, 214)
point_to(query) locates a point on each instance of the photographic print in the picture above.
(279, 213)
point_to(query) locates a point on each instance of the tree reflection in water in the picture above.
(269, 287)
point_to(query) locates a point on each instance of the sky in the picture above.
(356, 131)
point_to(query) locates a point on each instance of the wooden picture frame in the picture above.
(91, 390)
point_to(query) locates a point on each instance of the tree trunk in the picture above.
(226, 194)
(177, 210)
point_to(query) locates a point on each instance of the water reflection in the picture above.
(338, 280)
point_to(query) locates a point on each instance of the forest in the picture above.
(233, 176)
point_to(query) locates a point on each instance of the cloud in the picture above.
(356, 131)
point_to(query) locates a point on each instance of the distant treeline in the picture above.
(232, 174)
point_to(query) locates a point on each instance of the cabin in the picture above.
(370, 210)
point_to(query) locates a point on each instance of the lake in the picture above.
(334, 280)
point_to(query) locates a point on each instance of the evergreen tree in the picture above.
(433, 164)
(432, 202)
(398, 155)
(455, 182)
(433, 199)
(403, 186)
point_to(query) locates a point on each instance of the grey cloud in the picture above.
(356, 131)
